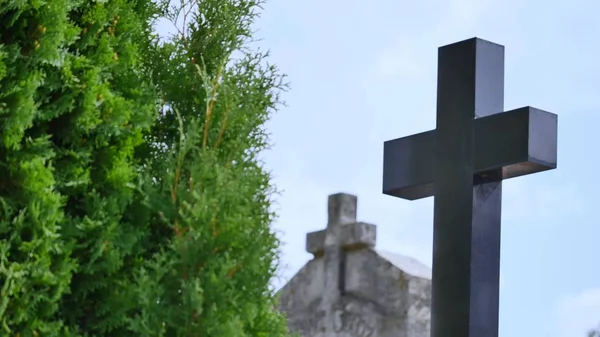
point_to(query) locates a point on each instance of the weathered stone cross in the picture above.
(462, 163)
(343, 233)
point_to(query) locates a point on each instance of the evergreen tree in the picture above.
(119, 219)
(73, 107)
(99, 136)
(35, 267)
(214, 251)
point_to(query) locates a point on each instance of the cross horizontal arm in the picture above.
(520, 142)
(352, 236)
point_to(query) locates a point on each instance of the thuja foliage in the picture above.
(210, 191)
(72, 111)
(133, 201)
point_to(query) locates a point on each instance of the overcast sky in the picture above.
(363, 72)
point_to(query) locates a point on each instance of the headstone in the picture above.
(462, 163)
(351, 289)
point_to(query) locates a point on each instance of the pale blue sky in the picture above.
(363, 72)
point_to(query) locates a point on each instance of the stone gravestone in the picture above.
(462, 164)
(351, 289)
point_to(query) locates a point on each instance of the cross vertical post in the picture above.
(341, 212)
(466, 240)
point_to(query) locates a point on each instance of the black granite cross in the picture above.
(462, 164)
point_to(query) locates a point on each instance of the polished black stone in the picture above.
(519, 142)
(462, 164)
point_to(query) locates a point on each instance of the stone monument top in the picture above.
(342, 230)
(350, 289)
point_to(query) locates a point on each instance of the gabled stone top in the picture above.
(352, 289)
(407, 264)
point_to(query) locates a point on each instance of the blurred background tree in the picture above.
(213, 250)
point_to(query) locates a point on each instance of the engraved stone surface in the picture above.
(351, 289)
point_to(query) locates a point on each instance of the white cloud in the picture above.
(402, 55)
(461, 10)
(525, 202)
(394, 62)
(578, 313)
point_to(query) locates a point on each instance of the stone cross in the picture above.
(462, 164)
(343, 233)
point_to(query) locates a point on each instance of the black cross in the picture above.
(473, 148)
